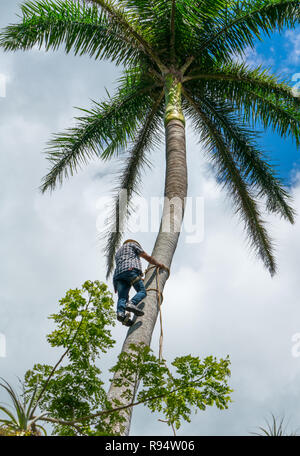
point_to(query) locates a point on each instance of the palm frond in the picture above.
(254, 169)
(237, 24)
(230, 176)
(278, 116)
(130, 25)
(258, 97)
(240, 76)
(75, 25)
(104, 131)
(173, 32)
(130, 177)
(164, 26)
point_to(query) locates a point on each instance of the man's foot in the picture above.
(127, 320)
(120, 316)
(130, 307)
(124, 318)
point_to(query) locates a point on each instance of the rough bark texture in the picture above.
(165, 245)
(173, 99)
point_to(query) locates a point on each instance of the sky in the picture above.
(219, 298)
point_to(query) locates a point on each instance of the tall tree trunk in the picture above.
(167, 239)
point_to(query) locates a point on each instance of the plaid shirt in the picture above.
(128, 257)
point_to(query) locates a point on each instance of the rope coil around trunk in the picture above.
(159, 300)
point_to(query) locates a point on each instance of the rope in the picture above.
(159, 300)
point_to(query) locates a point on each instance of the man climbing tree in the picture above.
(129, 273)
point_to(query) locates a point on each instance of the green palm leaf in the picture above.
(104, 131)
(130, 25)
(238, 23)
(230, 176)
(252, 165)
(239, 76)
(73, 24)
(258, 96)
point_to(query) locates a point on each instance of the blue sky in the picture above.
(280, 54)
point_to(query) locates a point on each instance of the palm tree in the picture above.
(180, 60)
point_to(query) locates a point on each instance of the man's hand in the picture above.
(153, 261)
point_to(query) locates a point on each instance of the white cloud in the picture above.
(229, 304)
(254, 59)
(293, 37)
(219, 299)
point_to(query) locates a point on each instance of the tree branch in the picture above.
(60, 360)
(123, 407)
(186, 65)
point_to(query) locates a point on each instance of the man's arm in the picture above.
(153, 261)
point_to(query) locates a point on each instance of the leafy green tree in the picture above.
(179, 61)
(71, 394)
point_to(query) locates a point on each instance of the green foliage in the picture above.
(72, 397)
(190, 385)
(255, 94)
(194, 41)
(83, 29)
(88, 313)
(83, 328)
(104, 130)
(20, 421)
(232, 26)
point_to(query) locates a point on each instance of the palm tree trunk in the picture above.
(167, 239)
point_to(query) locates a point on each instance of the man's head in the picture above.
(131, 240)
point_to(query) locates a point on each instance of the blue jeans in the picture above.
(122, 283)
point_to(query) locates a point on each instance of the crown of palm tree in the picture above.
(195, 43)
